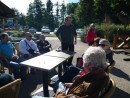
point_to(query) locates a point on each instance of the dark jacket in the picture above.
(43, 46)
(109, 56)
(88, 86)
(67, 33)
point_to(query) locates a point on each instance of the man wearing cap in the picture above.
(89, 85)
(105, 45)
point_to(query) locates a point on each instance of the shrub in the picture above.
(108, 31)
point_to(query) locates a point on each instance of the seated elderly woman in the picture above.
(89, 85)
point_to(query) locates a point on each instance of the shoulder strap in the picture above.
(28, 44)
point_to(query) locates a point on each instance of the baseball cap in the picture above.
(104, 42)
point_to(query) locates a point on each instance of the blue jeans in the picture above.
(58, 85)
(5, 79)
(19, 71)
(70, 73)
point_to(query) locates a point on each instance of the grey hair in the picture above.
(95, 57)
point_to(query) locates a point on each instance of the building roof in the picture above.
(5, 11)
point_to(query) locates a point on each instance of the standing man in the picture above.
(68, 37)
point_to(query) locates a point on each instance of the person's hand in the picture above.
(15, 57)
(68, 85)
(75, 42)
(30, 55)
(44, 47)
(61, 91)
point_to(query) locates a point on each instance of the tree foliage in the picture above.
(83, 13)
(50, 16)
(35, 14)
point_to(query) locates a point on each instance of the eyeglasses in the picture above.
(29, 36)
(102, 45)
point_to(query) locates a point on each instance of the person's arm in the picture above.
(23, 47)
(48, 45)
(15, 56)
(35, 46)
(58, 33)
(74, 34)
(75, 39)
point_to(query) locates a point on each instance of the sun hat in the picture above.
(95, 57)
(104, 42)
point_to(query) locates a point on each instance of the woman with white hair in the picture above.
(89, 85)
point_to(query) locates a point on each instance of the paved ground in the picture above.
(120, 73)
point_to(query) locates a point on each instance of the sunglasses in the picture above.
(102, 45)
(29, 36)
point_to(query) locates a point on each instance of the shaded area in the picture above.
(126, 59)
(120, 94)
(30, 84)
(119, 73)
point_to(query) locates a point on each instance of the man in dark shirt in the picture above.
(68, 37)
(43, 45)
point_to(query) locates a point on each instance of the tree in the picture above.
(56, 19)
(50, 16)
(35, 14)
(85, 12)
(30, 16)
(102, 9)
(71, 8)
(63, 11)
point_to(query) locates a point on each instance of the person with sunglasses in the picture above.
(105, 45)
(43, 45)
(28, 48)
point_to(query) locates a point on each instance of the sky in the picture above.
(22, 5)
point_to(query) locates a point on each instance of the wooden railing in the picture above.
(121, 41)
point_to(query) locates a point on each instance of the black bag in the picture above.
(26, 56)
(31, 51)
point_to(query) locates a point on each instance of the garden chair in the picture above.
(16, 45)
(111, 89)
(10, 90)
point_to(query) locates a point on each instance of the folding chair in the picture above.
(10, 90)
